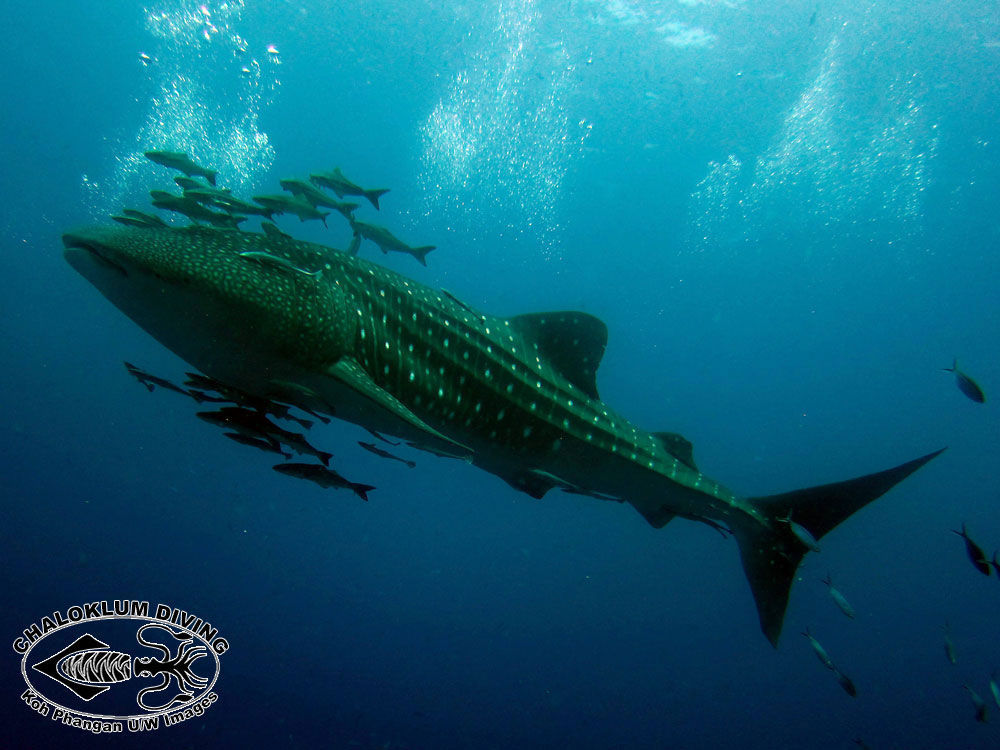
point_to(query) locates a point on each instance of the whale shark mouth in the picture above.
(94, 250)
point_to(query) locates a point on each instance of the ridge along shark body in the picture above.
(515, 396)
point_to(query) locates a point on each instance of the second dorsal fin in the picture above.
(572, 342)
(677, 446)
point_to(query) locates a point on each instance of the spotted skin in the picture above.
(475, 378)
(478, 380)
(334, 333)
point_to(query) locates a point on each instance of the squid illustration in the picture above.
(88, 668)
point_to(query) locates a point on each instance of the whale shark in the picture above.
(516, 396)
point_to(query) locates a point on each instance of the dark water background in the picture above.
(787, 217)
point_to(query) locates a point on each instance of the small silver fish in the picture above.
(273, 261)
(150, 219)
(193, 209)
(338, 183)
(949, 646)
(847, 683)
(317, 197)
(838, 598)
(283, 204)
(131, 221)
(820, 652)
(979, 703)
(802, 534)
(965, 384)
(152, 381)
(271, 446)
(372, 448)
(387, 241)
(181, 162)
(228, 203)
(188, 183)
(974, 551)
(255, 424)
(324, 477)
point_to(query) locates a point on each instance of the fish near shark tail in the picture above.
(374, 195)
(771, 551)
(420, 253)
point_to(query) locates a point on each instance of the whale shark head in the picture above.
(225, 301)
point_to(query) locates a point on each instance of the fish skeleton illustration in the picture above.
(515, 396)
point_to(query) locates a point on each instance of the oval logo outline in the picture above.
(107, 717)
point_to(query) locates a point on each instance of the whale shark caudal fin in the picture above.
(772, 553)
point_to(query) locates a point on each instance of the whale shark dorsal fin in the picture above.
(677, 446)
(572, 342)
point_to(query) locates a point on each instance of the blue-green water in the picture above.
(786, 215)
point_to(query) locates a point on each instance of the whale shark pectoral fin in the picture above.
(536, 483)
(353, 375)
(658, 517)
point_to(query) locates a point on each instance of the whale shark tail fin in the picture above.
(772, 552)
